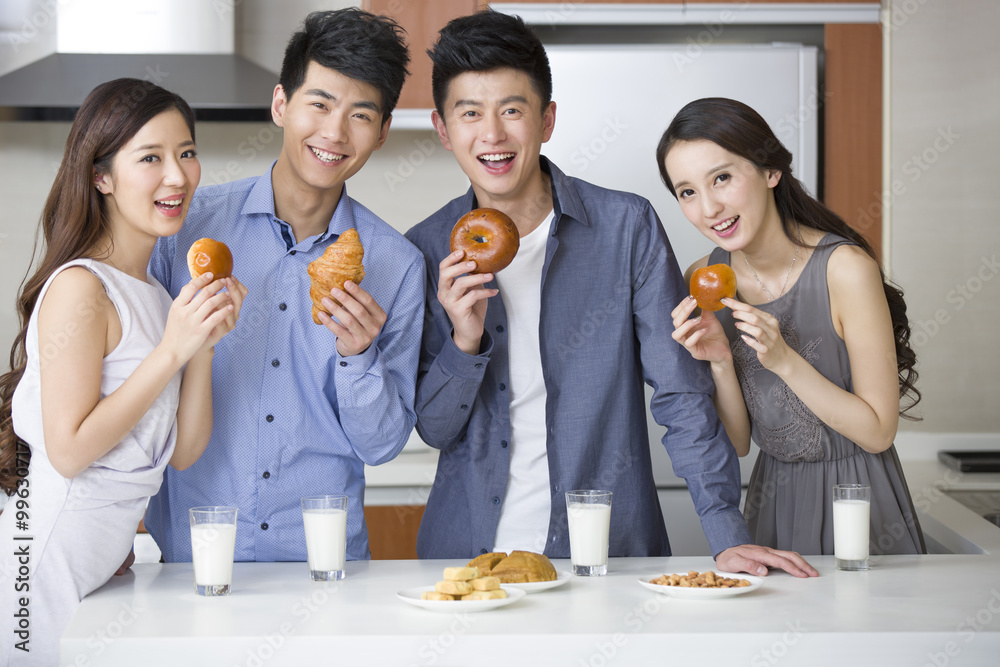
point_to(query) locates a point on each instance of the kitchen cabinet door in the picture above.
(392, 530)
(422, 19)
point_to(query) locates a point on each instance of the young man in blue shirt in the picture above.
(300, 408)
(531, 381)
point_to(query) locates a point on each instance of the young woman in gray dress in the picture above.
(812, 357)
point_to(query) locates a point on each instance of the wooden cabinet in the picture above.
(392, 530)
(852, 127)
(422, 20)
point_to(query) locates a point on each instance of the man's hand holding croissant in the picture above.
(356, 321)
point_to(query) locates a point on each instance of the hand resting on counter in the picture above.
(754, 559)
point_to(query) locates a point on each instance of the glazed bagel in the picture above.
(210, 255)
(488, 237)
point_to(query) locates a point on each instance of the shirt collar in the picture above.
(261, 202)
(565, 198)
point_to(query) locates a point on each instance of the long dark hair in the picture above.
(75, 216)
(740, 130)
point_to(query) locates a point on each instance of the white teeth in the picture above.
(725, 224)
(326, 157)
(170, 204)
(496, 157)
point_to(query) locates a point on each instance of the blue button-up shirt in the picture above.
(292, 417)
(609, 282)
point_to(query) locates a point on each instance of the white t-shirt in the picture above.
(524, 517)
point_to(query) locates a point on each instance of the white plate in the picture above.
(534, 586)
(701, 593)
(412, 596)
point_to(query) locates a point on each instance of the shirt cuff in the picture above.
(726, 530)
(462, 365)
(358, 364)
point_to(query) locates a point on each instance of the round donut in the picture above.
(489, 238)
(210, 255)
(709, 284)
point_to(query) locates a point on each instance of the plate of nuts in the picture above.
(700, 585)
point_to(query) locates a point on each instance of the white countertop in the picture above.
(907, 610)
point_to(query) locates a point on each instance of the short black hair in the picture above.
(356, 43)
(485, 41)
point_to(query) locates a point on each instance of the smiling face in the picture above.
(495, 125)
(152, 179)
(722, 194)
(332, 124)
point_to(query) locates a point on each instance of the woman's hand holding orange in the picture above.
(761, 332)
(702, 336)
(198, 317)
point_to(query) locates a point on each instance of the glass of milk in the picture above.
(851, 512)
(213, 542)
(325, 519)
(589, 516)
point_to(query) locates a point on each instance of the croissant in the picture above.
(341, 262)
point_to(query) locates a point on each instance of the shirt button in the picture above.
(291, 252)
(282, 306)
(269, 418)
(263, 526)
(266, 475)
(275, 363)
(496, 501)
(503, 443)
(343, 363)
(502, 386)
(479, 365)
(499, 328)
(483, 551)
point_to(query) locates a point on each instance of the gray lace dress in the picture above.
(789, 500)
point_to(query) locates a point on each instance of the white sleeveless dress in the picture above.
(80, 530)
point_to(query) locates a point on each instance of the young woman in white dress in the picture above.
(110, 380)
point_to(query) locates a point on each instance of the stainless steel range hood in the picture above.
(187, 46)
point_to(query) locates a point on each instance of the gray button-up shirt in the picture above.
(609, 282)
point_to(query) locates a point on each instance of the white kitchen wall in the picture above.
(944, 199)
(945, 240)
